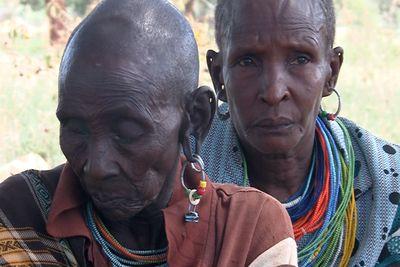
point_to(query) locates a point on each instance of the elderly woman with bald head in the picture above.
(132, 191)
(338, 182)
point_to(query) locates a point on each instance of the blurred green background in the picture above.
(369, 31)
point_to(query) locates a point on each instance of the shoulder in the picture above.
(28, 191)
(15, 189)
(23, 199)
(20, 182)
(373, 155)
(256, 201)
(222, 154)
(262, 222)
(249, 196)
(361, 136)
(376, 159)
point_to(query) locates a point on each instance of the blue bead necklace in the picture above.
(112, 253)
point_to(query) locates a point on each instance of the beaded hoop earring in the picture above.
(333, 116)
(194, 195)
(223, 116)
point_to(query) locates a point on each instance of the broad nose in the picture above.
(101, 162)
(274, 89)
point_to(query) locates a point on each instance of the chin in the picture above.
(118, 210)
(276, 146)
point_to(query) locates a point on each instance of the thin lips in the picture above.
(273, 122)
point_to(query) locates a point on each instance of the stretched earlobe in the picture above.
(185, 138)
(214, 65)
(339, 52)
(336, 61)
(200, 110)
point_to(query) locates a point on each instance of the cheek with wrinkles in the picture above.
(150, 185)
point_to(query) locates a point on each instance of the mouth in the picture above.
(273, 125)
(111, 205)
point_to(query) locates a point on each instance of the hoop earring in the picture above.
(333, 116)
(223, 116)
(194, 195)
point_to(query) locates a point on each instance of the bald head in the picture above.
(136, 41)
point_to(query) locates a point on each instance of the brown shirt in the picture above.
(238, 226)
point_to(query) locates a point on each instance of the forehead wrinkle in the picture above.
(116, 103)
(113, 79)
(135, 100)
(281, 9)
(127, 82)
(110, 93)
(286, 16)
(150, 102)
(302, 8)
(304, 32)
(309, 16)
(133, 77)
(292, 37)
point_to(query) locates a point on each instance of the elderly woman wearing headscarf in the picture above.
(338, 182)
(127, 196)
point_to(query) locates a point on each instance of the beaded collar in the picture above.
(117, 254)
(324, 210)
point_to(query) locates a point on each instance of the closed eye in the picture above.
(123, 140)
(127, 131)
(75, 126)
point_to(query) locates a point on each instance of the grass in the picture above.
(368, 82)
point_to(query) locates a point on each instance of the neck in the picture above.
(280, 175)
(145, 231)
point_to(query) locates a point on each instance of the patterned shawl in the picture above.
(376, 185)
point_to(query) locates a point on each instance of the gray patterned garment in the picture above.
(376, 185)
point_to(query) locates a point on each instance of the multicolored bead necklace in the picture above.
(118, 255)
(324, 211)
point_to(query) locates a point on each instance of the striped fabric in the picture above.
(21, 245)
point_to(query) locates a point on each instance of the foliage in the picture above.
(78, 6)
(368, 82)
(35, 4)
(390, 10)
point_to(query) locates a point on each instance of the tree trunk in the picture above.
(56, 12)
(189, 8)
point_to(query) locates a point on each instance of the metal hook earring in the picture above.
(194, 195)
(85, 168)
(222, 115)
(333, 116)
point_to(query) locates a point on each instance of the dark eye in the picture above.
(300, 60)
(246, 62)
(75, 126)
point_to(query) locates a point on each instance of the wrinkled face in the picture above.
(120, 135)
(275, 67)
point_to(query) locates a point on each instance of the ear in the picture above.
(336, 60)
(200, 109)
(214, 64)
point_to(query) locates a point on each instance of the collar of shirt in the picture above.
(66, 217)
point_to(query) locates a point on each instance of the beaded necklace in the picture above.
(118, 255)
(325, 212)
(293, 201)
